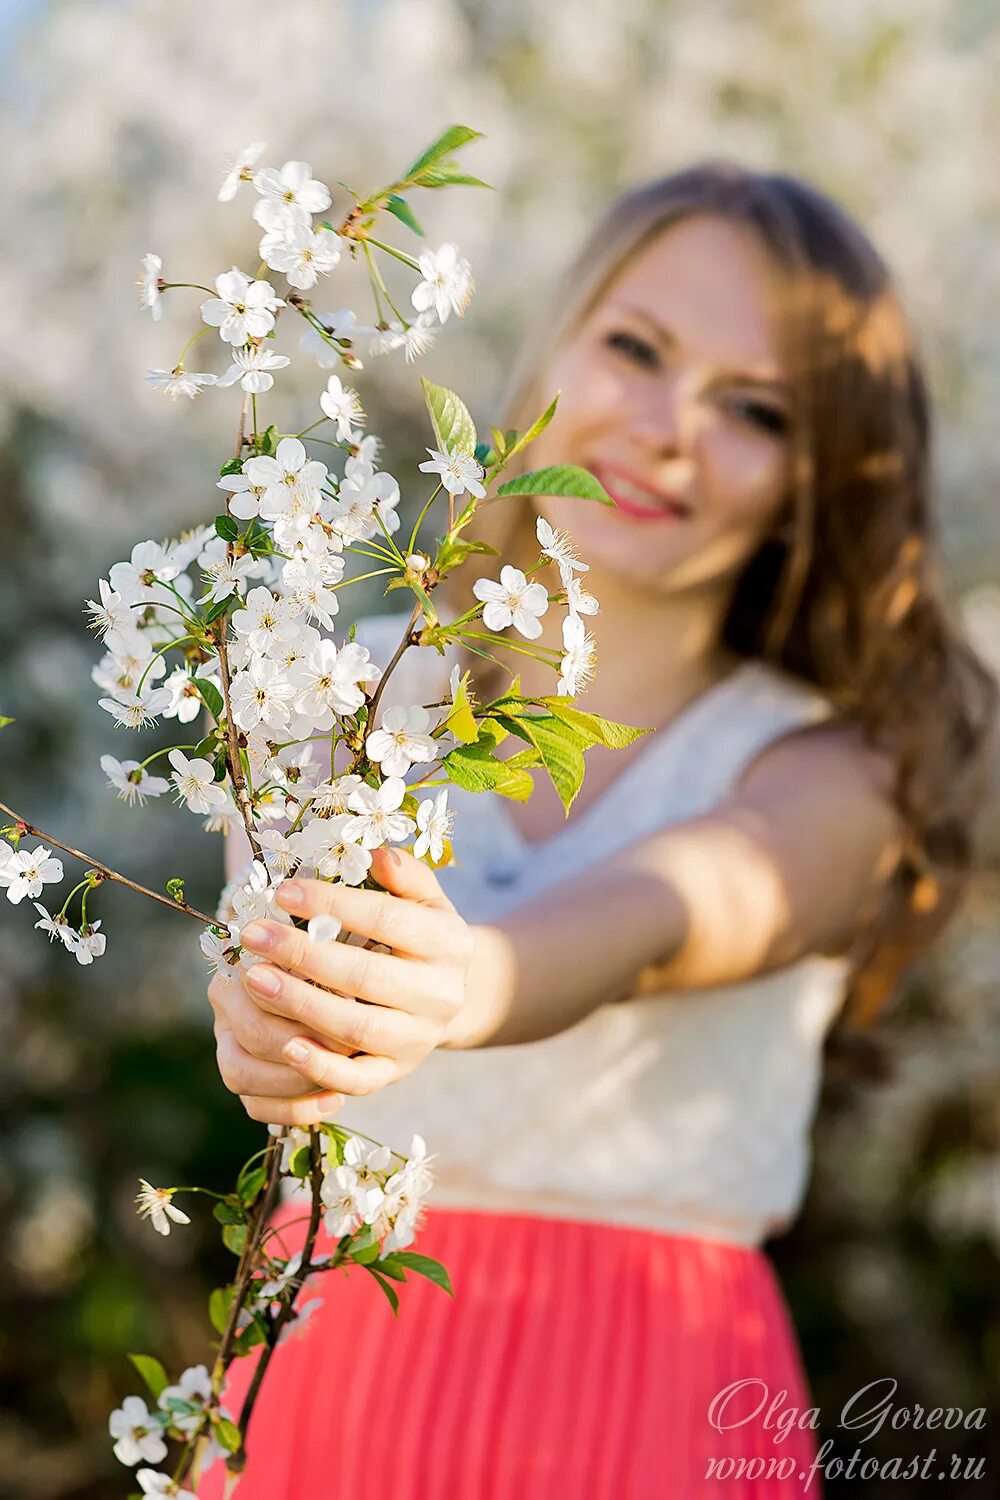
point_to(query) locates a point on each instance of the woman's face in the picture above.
(673, 395)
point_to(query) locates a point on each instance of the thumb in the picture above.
(402, 874)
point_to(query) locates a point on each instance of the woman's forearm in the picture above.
(549, 963)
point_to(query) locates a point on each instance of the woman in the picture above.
(614, 1050)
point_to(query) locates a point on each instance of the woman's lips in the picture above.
(638, 502)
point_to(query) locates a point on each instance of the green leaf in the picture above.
(453, 427)
(152, 1373)
(476, 769)
(228, 1213)
(175, 889)
(234, 1237)
(449, 140)
(447, 174)
(227, 1432)
(365, 1248)
(535, 430)
(210, 696)
(389, 1266)
(267, 441)
(596, 730)
(227, 528)
(399, 206)
(462, 721)
(219, 1304)
(231, 466)
(4, 721)
(558, 479)
(425, 1265)
(389, 1291)
(484, 455)
(301, 1162)
(559, 748)
(248, 1187)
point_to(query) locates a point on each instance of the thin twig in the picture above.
(105, 871)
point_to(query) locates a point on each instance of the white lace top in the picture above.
(687, 1113)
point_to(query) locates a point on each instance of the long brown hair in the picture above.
(849, 593)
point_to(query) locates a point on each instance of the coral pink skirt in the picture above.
(576, 1361)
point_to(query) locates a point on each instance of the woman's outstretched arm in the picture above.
(792, 864)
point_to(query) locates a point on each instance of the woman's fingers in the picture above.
(412, 917)
(308, 1109)
(260, 1032)
(344, 1075)
(242, 1073)
(340, 1022)
(422, 988)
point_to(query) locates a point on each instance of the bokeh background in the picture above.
(115, 116)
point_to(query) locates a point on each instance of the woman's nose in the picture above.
(658, 415)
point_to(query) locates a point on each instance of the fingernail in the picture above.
(296, 1052)
(290, 894)
(256, 935)
(264, 980)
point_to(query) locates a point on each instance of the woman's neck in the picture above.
(655, 651)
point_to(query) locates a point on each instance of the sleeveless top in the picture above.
(682, 1112)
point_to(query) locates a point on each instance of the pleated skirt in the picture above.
(576, 1361)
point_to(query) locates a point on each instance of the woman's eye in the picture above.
(633, 347)
(767, 417)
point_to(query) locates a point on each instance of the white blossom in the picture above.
(446, 284)
(151, 1482)
(292, 481)
(512, 601)
(579, 661)
(48, 923)
(149, 564)
(195, 1389)
(150, 299)
(331, 681)
(459, 472)
(135, 710)
(559, 546)
(139, 1434)
(88, 944)
(132, 781)
(265, 621)
(345, 859)
(324, 928)
(179, 382)
(261, 696)
(343, 406)
(243, 309)
(252, 368)
(580, 600)
(195, 782)
(227, 576)
(401, 741)
(288, 195)
(240, 169)
(377, 819)
(26, 874)
(434, 825)
(112, 613)
(155, 1204)
(302, 254)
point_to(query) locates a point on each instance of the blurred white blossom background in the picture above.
(116, 117)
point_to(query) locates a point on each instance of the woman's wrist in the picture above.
(489, 989)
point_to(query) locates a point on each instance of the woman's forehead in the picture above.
(708, 284)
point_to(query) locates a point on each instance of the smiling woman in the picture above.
(608, 1027)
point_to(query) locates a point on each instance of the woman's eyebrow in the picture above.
(669, 338)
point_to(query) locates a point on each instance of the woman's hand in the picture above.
(287, 1029)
